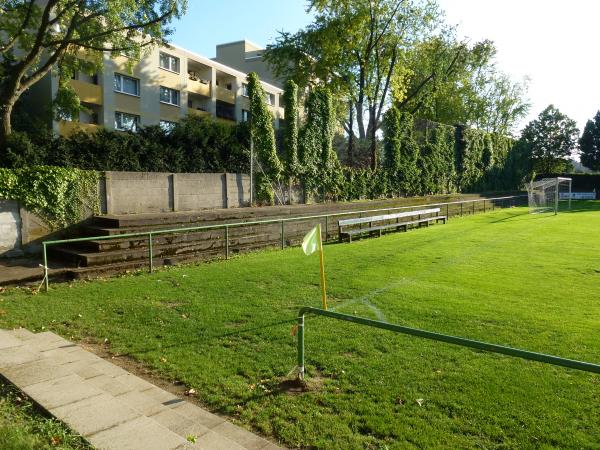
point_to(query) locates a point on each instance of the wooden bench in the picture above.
(348, 227)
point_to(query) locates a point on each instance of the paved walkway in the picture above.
(110, 407)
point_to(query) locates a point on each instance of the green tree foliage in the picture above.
(354, 48)
(193, 145)
(447, 81)
(262, 134)
(319, 164)
(37, 36)
(589, 143)
(551, 138)
(290, 137)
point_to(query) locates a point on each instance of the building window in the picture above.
(167, 125)
(270, 99)
(127, 85)
(169, 62)
(170, 96)
(245, 90)
(245, 115)
(127, 122)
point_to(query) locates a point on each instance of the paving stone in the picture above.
(108, 385)
(215, 441)
(95, 414)
(134, 383)
(86, 371)
(271, 446)
(7, 340)
(142, 402)
(14, 356)
(141, 433)
(178, 424)
(108, 368)
(245, 438)
(34, 372)
(22, 333)
(198, 415)
(61, 391)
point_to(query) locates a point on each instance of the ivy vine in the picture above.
(60, 196)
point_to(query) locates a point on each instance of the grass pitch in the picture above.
(507, 277)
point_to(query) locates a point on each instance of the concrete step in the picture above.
(108, 406)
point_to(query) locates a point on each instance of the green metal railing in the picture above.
(533, 356)
(503, 201)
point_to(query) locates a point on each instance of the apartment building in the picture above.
(165, 86)
(246, 56)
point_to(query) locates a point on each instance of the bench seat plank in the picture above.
(380, 228)
(381, 218)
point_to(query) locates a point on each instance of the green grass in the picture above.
(22, 427)
(507, 277)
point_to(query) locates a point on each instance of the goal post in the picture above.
(544, 195)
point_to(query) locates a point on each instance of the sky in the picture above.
(549, 41)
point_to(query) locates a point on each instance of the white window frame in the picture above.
(245, 115)
(136, 121)
(120, 89)
(270, 99)
(173, 61)
(245, 90)
(171, 93)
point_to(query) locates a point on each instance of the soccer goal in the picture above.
(545, 194)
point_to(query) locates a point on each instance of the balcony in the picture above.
(66, 128)
(198, 87)
(198, 113)
(87, 92)
(225, 95)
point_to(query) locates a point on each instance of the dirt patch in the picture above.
(297, 386)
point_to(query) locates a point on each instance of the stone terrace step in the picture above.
(107, 405)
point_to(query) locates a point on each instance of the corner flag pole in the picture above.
(323, 288)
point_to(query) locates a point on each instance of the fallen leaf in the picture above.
(191, 438)
(190, 392)
(55, 440)
(294, 330)
(163, 359)
(420, 401)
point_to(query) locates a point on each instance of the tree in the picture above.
(589, 143)
(290, 139)
(354, 48)
(551, 138)
(71, 35)
(263, 138)
(451, 82)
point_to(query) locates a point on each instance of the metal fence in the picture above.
(457, 208)
(479, 345)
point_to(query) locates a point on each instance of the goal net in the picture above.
(545, 194)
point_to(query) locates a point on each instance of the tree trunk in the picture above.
(6, 107)
(351, 136)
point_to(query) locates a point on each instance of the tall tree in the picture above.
(552, 139)
(354, 47)
(452, 82)
(589, 143)
(36, 36)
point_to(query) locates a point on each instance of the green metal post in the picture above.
(473, 207)
(282, 235)
(447, 211)
(484, 205)
(150, 256)
(301, 346)
(461, 209)
(45, 266)
(226, 242)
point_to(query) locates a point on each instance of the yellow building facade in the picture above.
(166, 85)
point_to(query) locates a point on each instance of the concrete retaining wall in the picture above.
(144, 192)
(10, 228)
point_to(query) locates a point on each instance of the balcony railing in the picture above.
(198, 87)
(198, 112)
(225, 95)
(66, 128)
(87, 92)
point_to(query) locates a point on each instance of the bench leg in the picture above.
(349, 238)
